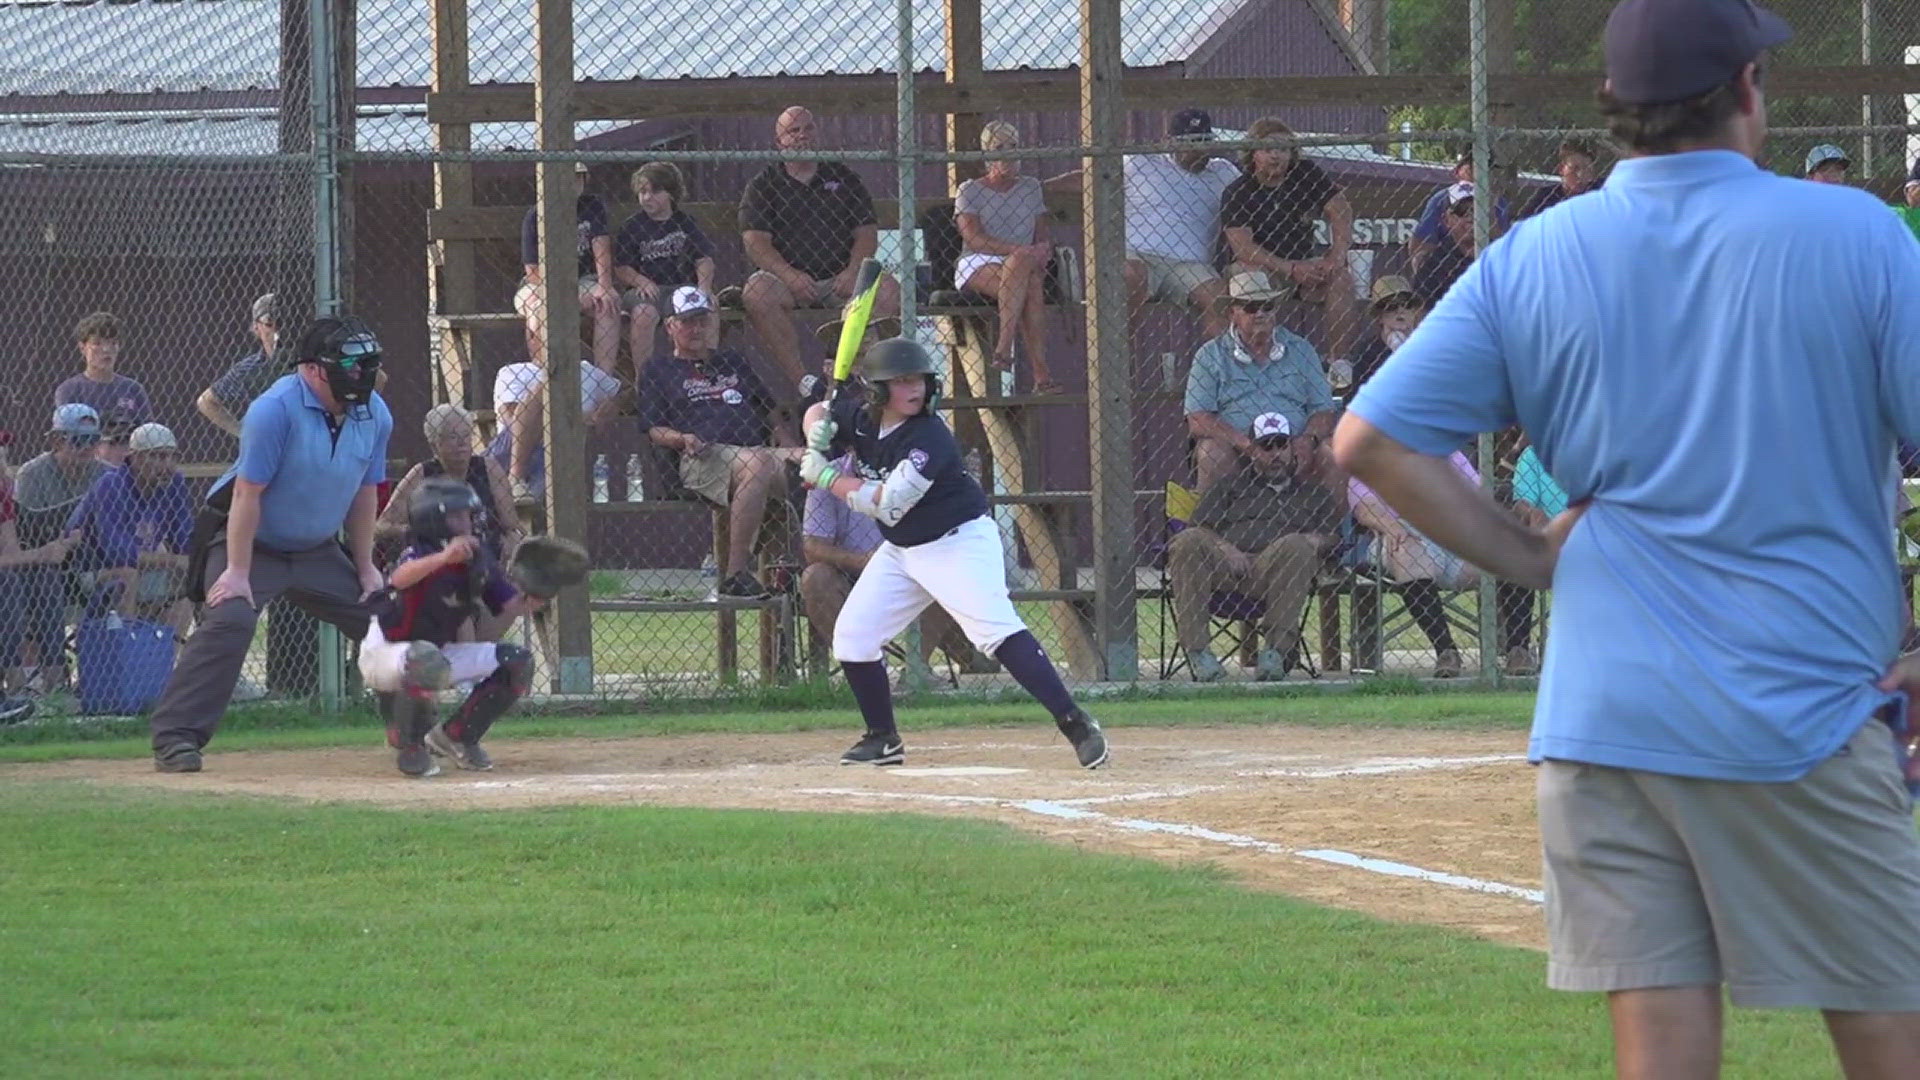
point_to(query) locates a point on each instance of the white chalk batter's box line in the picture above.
(1062, 811)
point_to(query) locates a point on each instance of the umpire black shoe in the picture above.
(876, 750)
(1089, 742)
(180, 757)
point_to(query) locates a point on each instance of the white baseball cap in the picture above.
(151, 437)
(1459, 192)
(691, 300)
(1271, 425)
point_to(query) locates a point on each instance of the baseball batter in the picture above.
(410, 652)
(940, 547)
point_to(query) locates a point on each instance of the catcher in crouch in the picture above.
(940, 546)
(443, 580)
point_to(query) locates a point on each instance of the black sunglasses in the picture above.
(1254, 307)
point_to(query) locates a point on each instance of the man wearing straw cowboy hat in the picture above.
(1255, 367)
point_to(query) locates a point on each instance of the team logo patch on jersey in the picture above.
(919, 459)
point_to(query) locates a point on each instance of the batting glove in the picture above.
(820, 435)
(815, 471)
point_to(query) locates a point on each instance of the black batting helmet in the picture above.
(432, 501)
(896, 358)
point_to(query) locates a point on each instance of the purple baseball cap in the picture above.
(1669, 50)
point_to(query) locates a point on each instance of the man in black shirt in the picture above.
(599, 300)
(1577, 176)
(1268, 216)
(706, 405)
(807, 226)
(1263, 532)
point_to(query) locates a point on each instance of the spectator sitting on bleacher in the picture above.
(1422, 568)
(120, 402)
(707, 406)
(14, 562)
(519, 406)
(1397, 310)
(46, 490)
(599, 300)
(807, 226)
(1267, 215)
(1002, 217)
(134, 526)
(1173, 221)
(1577, 176)
(226, 401)
(1443, 266)
(659, 249)
(1262, 531)
(1430, 232)
(837, 543)
(450, 436)
(1255, 367)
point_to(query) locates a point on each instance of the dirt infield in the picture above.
(1434, 827)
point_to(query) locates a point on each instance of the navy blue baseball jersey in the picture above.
(953, 500)
(438, 605)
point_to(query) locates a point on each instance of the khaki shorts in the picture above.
(709, 474)
(1794, 895)
(822, 294)
(527, 299)
(1172, 281)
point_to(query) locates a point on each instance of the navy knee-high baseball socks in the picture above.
(1027, 662)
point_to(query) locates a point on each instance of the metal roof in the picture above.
(238, 132)
(146, 46)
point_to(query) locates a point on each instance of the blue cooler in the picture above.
(124, 664)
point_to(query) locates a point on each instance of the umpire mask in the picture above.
(347, 353)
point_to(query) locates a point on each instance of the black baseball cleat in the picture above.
(463, 754)
(1089, 742)
(15, 710)
(416, 761)
(876, 750)
(180, 757)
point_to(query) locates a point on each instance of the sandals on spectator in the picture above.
(1049, 388)
(1002, 363)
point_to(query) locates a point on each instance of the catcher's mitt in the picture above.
(543, 565)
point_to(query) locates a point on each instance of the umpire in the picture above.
(313, 449)
(1714, 362)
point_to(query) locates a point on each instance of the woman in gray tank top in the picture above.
(1004, 253)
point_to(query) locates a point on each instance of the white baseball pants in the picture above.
(383, 663)
(964, 572)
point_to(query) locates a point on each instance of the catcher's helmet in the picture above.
(895, 358)
(347, 350)
(432, 501)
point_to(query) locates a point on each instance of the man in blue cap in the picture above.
(1714, 362)
(1827, 164)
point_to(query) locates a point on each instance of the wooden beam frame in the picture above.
(996, 92)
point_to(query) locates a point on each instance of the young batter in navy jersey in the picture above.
(445, 580)
(940, 547)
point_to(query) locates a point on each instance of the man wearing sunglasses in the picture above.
(313, 452)
(1256, 367)
(46, 490)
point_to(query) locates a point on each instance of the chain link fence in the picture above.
(1297, 182)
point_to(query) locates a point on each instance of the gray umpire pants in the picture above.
(320, 581)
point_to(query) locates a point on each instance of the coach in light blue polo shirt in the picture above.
(313, 450)
(1714, 362)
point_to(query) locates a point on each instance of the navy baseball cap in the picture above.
(1190, 124)
(1669, 50)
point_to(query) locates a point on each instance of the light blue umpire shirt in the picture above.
(312, 469)
(1720, 358)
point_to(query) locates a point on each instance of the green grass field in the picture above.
(156, 934)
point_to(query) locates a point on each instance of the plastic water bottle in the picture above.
(602, 476)
(636, 480)
(710, 576)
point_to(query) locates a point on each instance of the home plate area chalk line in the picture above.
(1048, 808)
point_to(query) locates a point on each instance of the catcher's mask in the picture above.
(893, 359)
(347, 353)
(432, 501)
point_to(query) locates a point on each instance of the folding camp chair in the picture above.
(1231, 614)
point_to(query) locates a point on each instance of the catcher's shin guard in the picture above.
(494, 695)
(408, 718)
